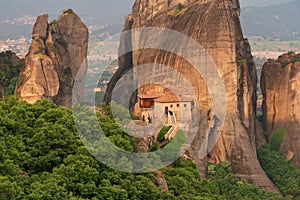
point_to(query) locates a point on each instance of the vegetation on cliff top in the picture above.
(69, 11)
(290, 57)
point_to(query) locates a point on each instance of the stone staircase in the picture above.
(172, 132)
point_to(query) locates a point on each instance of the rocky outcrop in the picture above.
(40, 27)
(58, 51)
(215, 25)
(280, 83)
(160, 181)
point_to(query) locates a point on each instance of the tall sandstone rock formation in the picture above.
(280, 83)
(58, 51)
(215, 25)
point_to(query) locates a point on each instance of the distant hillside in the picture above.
(89, 10)
(14, 31)
(92, 12)
(280, 21)
(270, 19)
(247, 3)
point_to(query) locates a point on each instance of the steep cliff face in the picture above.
(215, 25)
(57, 52)
(281, 105)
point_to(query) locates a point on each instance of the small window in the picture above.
(177, 105)
(184, 105)
(171, 106)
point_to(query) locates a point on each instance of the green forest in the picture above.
(10, 66)
(42, 157)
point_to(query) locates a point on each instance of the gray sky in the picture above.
(103, 12)
(103, 9)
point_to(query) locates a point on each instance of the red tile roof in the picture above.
(171, 98)
(167, 95)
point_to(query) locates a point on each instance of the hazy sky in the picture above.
(105, 9)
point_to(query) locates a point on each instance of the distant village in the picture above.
(19, 46)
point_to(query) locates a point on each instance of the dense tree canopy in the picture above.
(282, 173)
(10, 66)
(42, 157)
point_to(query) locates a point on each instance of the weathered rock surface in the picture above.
(40, 27)
(280, 83)
(160, 181)
(57, 53)
(215, 25)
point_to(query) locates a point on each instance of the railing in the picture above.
(171, 133)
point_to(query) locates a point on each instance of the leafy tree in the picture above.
(277, 138)
(163, 132)
(179, 8)
(10, 66)
(283, 174)
(80, 174)
(48, 187)
(9, 189)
